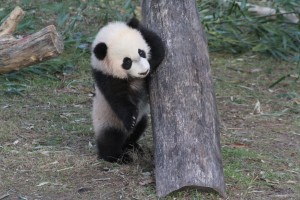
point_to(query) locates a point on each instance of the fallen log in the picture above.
(18, 53)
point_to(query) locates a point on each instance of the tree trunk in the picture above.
(183, 106)
(32, 49)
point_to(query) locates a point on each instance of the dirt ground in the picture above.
(272, 134)
(47, 147)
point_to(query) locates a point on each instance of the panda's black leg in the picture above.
(110, 143)
(131, 142)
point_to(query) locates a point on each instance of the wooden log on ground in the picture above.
(183, 106)
(35, 48)
(18, 53)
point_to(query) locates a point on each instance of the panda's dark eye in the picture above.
(142, 53)
(127, 62)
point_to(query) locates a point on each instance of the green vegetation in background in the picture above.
(77, 21)
(232, 28)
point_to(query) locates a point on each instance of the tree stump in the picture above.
(18, 53)
(183, 106)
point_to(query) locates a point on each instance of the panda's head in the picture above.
(121, 51)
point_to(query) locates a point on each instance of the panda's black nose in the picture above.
(144, 73)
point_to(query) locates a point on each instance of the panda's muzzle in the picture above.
(144, 73)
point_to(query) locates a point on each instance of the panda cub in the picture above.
(123, 55)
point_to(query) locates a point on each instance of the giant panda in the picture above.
(123, 55)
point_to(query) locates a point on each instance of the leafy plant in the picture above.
(232, 27)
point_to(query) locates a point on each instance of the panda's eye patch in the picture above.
(127, 62)
(142, 53)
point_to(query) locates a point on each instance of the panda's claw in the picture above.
(133, 122)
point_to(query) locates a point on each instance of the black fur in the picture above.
(157, 48)
(134, 23)
(127, 62)
(113, 145)
(110, 146)
(100, 50)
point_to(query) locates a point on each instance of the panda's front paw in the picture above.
(130, 120)
(130, 124)
(133, 122)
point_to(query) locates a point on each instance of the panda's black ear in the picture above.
(134, 23)
(100, 50)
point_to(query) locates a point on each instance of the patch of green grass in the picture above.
(237, 165)
(233, 28)
(54, 140)
(191, 194)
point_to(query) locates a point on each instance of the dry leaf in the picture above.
(257, 108)
(239, 145)
(291, 182)
(16, 142)
(42, 184)
(146, 182)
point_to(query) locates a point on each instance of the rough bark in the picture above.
(183, 106)
(18, 53)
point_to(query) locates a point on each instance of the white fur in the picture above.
(140, 66)
(122, 41)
